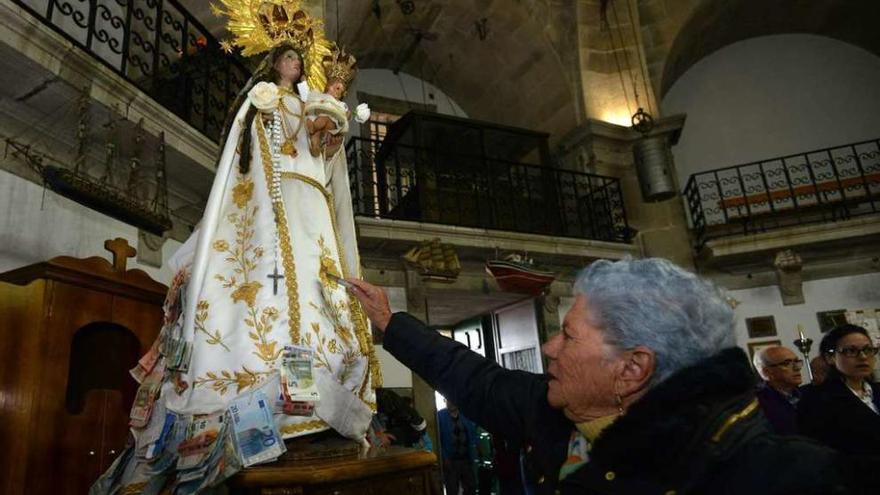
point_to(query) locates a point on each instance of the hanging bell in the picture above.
(653, 160)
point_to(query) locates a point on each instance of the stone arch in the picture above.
(713, 25)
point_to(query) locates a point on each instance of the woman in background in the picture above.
(844, 411)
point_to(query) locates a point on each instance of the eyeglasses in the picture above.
(788, 363)
(866, 351)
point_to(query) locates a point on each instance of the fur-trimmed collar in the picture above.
(665, 432)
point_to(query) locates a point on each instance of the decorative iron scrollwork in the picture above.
(156, 45)
(823, 185)
(421, 185)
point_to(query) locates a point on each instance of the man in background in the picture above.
(778, 394)
(402, 425)
(458, 446)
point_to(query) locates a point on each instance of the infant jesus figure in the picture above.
(326, 112)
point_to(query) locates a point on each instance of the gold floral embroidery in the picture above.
(242, 193)
(241, 379)
(328, 266)
(349, 360)
(267, 350)
(324, 345)
(321, 358)
(245, 257)
(333, 311)
(246, 293)
(201, 317)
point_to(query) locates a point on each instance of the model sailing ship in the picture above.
(130, 196)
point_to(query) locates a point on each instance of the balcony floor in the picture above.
(831, 249)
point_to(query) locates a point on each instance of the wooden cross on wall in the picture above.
(121, 252)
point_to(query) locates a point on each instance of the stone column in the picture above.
(423, 394)
(607, 149)
(613, 63)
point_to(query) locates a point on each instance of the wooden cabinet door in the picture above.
(115, 431)
(64, 454)
(21, 359)
(142, 318)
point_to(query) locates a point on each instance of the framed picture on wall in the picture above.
(757, 346)
(761, 327)
(830, 319)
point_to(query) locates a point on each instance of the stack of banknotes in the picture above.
(191, 453)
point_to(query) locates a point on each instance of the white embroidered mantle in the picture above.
(236, 322)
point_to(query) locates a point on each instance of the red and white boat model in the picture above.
(516, 273)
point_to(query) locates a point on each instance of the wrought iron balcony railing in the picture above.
(428, 185)
(817, 186)
(156, 45)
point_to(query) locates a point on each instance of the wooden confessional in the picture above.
(70, 329)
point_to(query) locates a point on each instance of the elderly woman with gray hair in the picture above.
(645, 392)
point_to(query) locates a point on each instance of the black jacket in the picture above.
(399, 418)
(697, 432)
(832, 414)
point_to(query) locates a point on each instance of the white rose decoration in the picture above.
(264, 96)
(362, 113)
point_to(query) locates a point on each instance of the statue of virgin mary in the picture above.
(277, 232)
(262, 270)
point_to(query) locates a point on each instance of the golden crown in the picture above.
(340, 66)
(257, 26)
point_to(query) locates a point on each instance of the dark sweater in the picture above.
(778, 409)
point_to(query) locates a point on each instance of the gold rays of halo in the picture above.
(257, 26)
